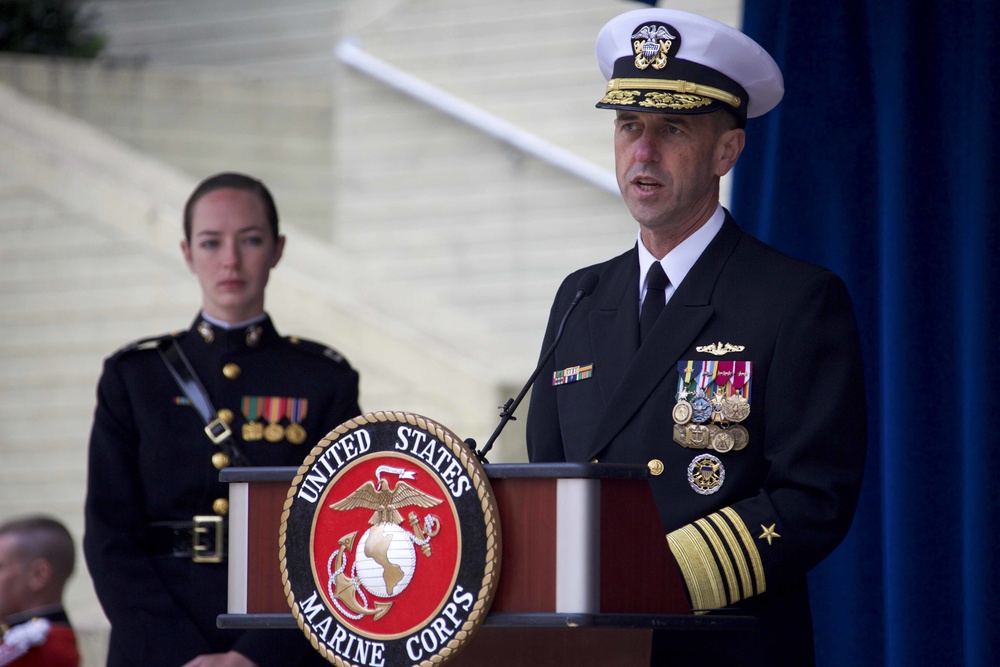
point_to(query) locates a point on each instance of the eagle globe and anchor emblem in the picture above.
(389, 543)
(385, 559)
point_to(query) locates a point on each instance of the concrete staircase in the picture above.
(425, 204)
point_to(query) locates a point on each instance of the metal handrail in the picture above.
(350, 53)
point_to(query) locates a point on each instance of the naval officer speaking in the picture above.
(732, 371)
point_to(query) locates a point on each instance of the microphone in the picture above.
(584, 288)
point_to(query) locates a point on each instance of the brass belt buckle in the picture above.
(201, 553)
(217, 430)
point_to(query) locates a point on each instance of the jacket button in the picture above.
(220, 506)
(231, 371)
(655, 467)
(220, 460)
(226, 415)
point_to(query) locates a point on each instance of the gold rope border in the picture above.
(487, 501)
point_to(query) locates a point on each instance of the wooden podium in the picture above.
(585, 574)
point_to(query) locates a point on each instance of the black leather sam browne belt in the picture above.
(216, 429)
(203, 539)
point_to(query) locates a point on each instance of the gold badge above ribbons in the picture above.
(718, 349)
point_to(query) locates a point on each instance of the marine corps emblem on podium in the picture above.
(389, 543)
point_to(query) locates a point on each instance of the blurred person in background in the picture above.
(37, 557)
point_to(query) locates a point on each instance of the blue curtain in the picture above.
(881, 163)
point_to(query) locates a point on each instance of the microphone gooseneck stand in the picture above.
(584, 288)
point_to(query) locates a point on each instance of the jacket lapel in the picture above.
(614, 325)
(683, 318)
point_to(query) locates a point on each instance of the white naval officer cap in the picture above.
(669, 61)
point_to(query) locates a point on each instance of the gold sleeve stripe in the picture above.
(694, 557)
(723, 528)
(749, 545)
(723, 559)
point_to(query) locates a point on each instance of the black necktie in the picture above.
(652, 305)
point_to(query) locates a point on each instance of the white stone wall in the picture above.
(202, 122)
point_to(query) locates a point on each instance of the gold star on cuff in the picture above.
(768, 533)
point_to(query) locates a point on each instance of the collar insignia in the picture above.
(205, 329)
(254, 332)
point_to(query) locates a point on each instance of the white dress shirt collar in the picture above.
(236, 325)
(679, 261)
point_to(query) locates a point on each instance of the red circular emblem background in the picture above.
(433, 576)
